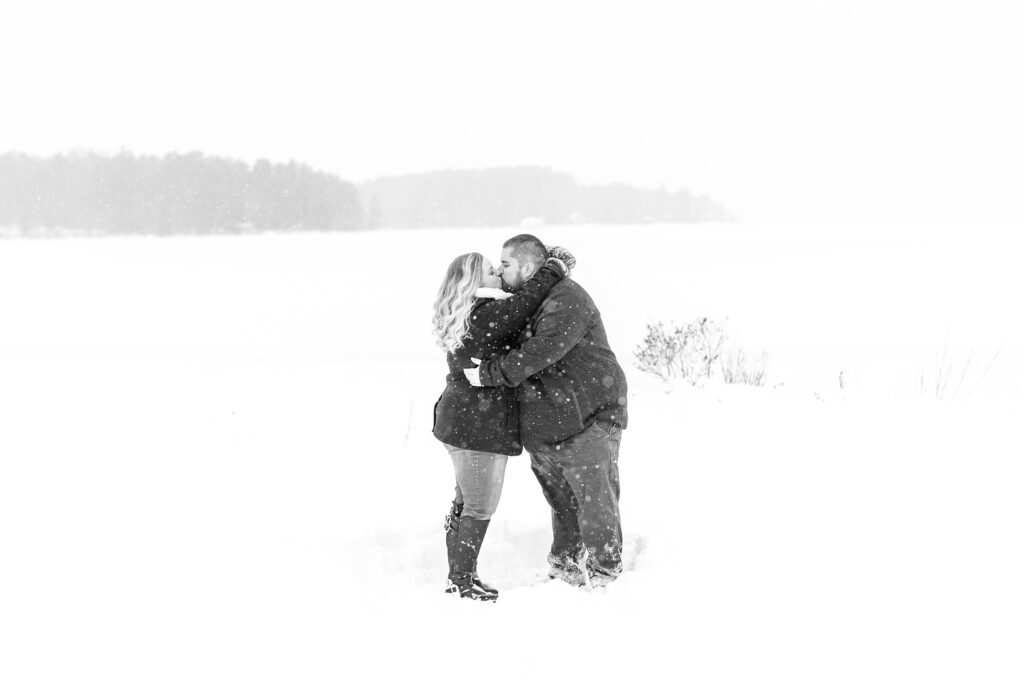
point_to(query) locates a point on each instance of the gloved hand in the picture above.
(563, 255)
(560, 264)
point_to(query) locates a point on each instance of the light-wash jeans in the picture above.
(479, 477)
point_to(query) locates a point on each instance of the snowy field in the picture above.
(216, 464)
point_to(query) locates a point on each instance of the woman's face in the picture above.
(492, 276)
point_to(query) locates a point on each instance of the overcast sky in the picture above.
(784, 109)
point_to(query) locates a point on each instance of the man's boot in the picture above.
(466, 551)
(604, 565)
(568, 568)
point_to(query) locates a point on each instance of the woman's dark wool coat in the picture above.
(487, 418)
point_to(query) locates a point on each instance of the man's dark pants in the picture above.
(580, 479)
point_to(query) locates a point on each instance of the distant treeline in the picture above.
(512, 196)
(175, 194)
(89, 193)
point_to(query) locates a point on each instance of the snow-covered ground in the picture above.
(216, 464)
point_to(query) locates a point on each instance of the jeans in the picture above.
(479, 477)
(580, 480)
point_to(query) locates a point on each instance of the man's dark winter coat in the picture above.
(567, 374)
(487, 418)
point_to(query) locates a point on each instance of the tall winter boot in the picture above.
(467, 550)
(451, 528)
(451, 537)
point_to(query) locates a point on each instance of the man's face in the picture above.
(512, 277)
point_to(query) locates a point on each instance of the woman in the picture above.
(479, 426)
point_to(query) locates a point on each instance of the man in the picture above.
(572, 396)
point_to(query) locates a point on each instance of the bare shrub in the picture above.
(689, 350)
(949, 375)
(739, 368)
(661, 351)
(709, 337)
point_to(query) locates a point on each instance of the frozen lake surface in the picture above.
(216, 462)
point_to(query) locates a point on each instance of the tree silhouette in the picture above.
(84, 192)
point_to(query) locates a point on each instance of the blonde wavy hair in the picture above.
(455, 298)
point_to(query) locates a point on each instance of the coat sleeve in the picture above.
(558, 329)
(502, 317)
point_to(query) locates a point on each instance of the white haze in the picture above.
(785, 110)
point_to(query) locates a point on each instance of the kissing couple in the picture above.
(529, 366)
